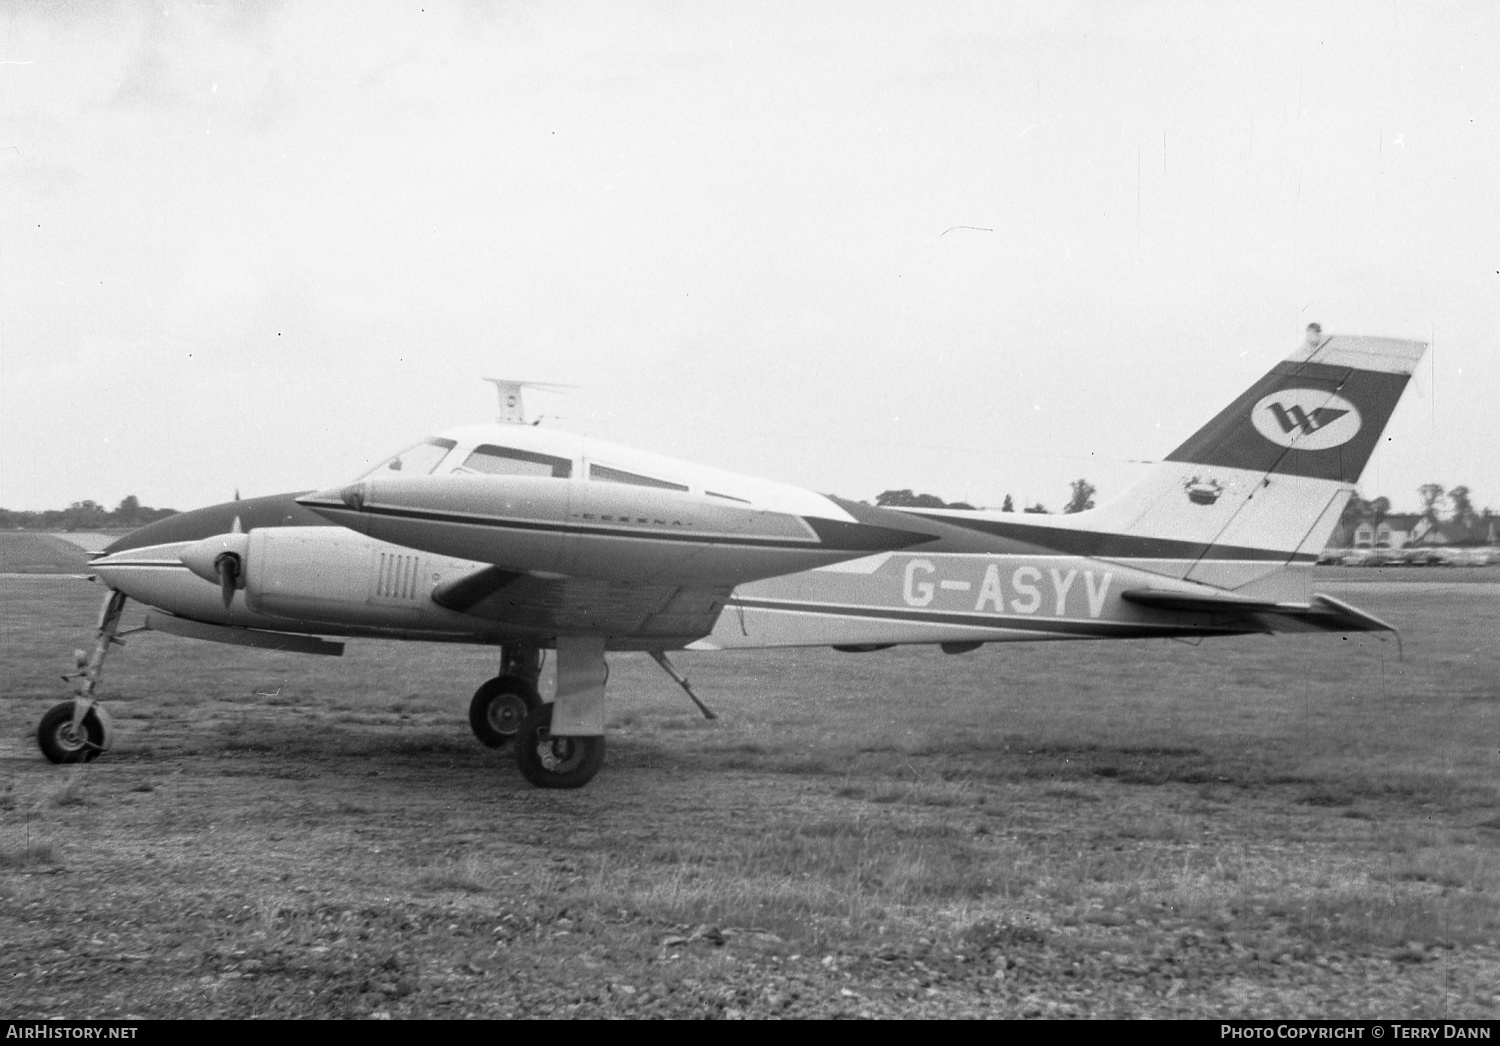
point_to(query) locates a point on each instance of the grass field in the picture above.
(26, 553)
(1302, 826)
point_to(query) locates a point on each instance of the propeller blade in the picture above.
(229, 573)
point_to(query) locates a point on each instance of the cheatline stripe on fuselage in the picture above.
(1098, 544)
(1040, 539)
(1069, 626)
(154, 564)
(500, 523)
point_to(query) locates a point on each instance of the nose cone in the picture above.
(352, 497)
(342, 505)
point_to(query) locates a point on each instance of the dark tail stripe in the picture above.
(1231, 441)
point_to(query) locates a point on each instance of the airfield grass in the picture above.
(26, 553)
(1291, 826)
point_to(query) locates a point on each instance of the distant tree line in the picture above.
(1081, 500)
(904, 498)
(1451, 506)
(85, 515)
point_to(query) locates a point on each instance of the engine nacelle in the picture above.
(334, 575)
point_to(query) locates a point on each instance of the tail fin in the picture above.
(1263, 484)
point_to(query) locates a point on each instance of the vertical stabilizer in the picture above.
(1265, 481)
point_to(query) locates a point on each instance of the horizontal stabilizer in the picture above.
(1323, 614)
(1367, 622)
(1204, 603)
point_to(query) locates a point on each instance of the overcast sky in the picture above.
(972, 249)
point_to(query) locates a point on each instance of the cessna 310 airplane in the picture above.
(531, 538)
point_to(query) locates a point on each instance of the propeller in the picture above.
(227, 567)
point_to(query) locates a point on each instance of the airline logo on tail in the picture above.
(1306, 419)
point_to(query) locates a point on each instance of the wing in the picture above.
(652, 615)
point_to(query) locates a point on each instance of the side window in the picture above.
(605, 474)
(507, 461)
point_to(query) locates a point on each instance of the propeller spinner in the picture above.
(220, 559)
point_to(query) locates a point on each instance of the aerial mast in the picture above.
(512, 400)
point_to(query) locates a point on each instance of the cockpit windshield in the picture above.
(416, 460)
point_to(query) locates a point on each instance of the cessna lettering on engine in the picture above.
(528, 538)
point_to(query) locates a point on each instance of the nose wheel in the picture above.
(63, 742)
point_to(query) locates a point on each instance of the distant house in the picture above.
(1407, 529)
(1400, 529)
(1481, 530)
(1396, 530)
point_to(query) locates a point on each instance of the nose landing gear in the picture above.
(77, 731)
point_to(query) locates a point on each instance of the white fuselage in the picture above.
(587, 537)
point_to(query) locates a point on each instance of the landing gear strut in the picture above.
(501, 704)
(77, 731)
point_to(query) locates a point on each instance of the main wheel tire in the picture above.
(499, 708)
(556, 762)
(60, 743)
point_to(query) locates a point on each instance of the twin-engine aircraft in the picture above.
(528, 539)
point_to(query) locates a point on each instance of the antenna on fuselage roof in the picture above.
(512, 404)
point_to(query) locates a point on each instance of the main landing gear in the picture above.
(561, 744)
(501, 704)
(77, 731)
(557, 745)
(548, 760)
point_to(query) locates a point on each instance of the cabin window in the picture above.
(507, 461)
(605, 474)
(416, 460)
